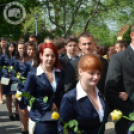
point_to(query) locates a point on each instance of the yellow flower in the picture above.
(18, 95)
(11, 67)
(55, 116)
(116, 115)
(4, 66)
(18, 76)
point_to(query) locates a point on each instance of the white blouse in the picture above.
(81, 93)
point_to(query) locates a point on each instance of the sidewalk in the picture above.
(7, 126)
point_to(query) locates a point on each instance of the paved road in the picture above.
(8, 127)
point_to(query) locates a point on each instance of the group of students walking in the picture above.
(70, 84)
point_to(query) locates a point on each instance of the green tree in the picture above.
(10, 31)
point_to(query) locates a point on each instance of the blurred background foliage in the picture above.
(103, 18)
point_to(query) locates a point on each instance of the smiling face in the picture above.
(86, 44)
(48, 58)
(89, 78)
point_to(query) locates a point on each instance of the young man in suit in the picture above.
(71, 44)
(87, 45)
(119, 88)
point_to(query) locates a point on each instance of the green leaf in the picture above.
(33, 99)
(75, 122)
(31, 104)
(71, 123)
(65, 125)
(76, 129)
(27, 95)
(131, 115)
(23, 78)
(45, 99)
(65, 131)
(131, 129)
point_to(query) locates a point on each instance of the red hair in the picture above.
(90, 62)
(51, 46)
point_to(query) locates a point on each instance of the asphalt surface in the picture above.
(13, 127)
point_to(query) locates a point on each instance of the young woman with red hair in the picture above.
(85, 103)
(45, 81)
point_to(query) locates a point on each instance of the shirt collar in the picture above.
(80, 93)
(131, 46)
(71, 58)
(41, 71)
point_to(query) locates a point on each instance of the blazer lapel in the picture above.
(130, 54)
(57, 79)
(46, 81)
(101, 100)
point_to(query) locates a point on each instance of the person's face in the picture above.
(11, 48)
(3, 44)
(30, 51)
(86, 44)
(118, 48)
(89, 78)
(21, 49)
(33, 40)
(71, 47)
(48, 58)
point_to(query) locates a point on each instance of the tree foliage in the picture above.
(10, 31)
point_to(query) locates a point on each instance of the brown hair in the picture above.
(90, 62)
(85, 34)
(59, 42)
(71, 39)
(122, 43)
(102, 50)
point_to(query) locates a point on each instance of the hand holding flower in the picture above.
(54, 107)
(123, 96)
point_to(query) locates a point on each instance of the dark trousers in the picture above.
(122, 126)
(47, 127)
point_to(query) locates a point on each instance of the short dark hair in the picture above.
(33, 36)
(71, 39)
(59, 42)
(122, 43)
(3, 38)
(86, 34)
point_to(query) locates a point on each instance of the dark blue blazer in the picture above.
(5, 61)
(83, 111)
(23, 68)
(39, 87)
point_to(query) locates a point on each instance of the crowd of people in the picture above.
(72, 76)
